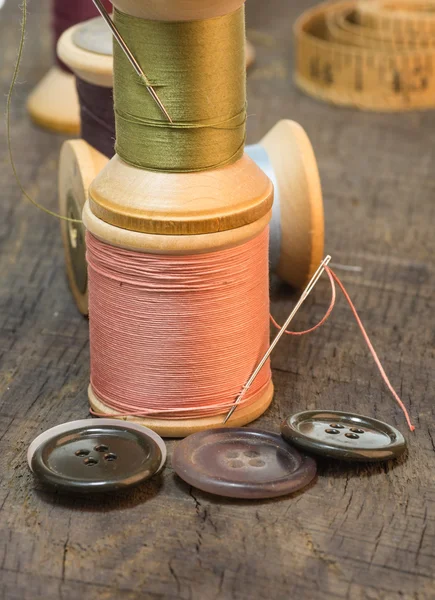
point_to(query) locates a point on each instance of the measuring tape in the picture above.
(368, 54)
(399, 17)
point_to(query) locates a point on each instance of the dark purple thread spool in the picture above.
(67, 13)
(97, 116)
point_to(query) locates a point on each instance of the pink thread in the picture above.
(322, 320)
(333, 276)
(177, 336)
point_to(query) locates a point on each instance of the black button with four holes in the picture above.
(343, 435)
(96, 455)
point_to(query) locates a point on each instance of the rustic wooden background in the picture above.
(358, 532)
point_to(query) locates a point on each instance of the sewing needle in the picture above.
(260, 365)
(136, 66)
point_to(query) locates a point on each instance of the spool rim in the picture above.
(301, 203)
(78, 164)
(183, 427)
(188, 203)
(170, 244)
(91, 67)
(174, 10)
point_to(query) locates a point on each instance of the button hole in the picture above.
(110, 456)
(251, 453)
(82, 452)
(101, 448)
(257, 462)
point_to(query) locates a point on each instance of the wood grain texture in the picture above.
(362, 533)
(165, 203)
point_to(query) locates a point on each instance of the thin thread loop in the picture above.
(332, 276)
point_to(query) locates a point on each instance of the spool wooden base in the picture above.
(180, 428)
(79, 164)
(54, 105)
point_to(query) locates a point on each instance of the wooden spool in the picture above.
(53, 104)
(300, 201)
(79, 162)
(181, 213)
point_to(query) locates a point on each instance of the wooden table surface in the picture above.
(358, 532)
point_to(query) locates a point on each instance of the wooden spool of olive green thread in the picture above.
(168, 211)
(203, 91)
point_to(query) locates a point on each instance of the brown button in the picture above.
(242, 463)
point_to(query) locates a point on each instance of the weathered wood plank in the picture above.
(364, 532)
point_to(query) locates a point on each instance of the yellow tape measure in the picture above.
(399, 17)
(373, 54)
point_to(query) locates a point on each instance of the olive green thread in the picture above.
(198, 67)
(8, 121)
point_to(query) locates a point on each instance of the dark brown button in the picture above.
(242, 463)
(96, 455)
(343, 435)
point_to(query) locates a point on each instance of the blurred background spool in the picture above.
(53, 104)
(180, 213)
(86, 49)
(297, 228)
(373, 55)
(284, 154)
